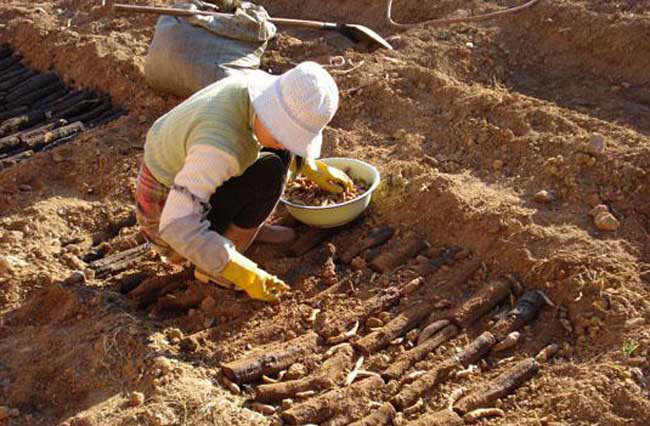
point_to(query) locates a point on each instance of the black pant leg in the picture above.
(247, 200)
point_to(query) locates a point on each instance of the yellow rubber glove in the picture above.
(326, 177)
(258, 283)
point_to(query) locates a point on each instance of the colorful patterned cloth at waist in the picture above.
(150, 198)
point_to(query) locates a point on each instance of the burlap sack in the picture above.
(187, 54)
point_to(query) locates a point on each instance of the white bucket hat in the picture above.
(295, 106)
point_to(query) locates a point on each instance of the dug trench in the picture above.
(39, 112)
(478, 280)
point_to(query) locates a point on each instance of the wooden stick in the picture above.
(23, 121)
(506, 383)
(479, 304)
(410, 393)
(40, 93)
(17, 79)
(93, 113)
(524, 311)
(399, 325)
(117, 262)
(52, 135)
(382, 416)
(337, 325)
(316, 299)
(31, 85)
(12, 72)
(331, 372)
(410, 357)
(309, 240)
(150, 289)
(323, 407)
(270, 360)
(471, 354)
(475, 351)
(431, 329)
(131, 281)
(13, 113)
(398, 253)
(14, 159)
(48, 101)
(5, 51)
(9, 61)
(77, 108)
(375, 238)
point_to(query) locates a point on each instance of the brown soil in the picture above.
(467, 125)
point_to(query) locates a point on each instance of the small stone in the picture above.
(469, 44)
(374, 322)
(543, 196)
(606, 222)
(598, 209)
(596, 144)
(77, 277)
(25, 188)
(497, 165)
(136, 399)
(296, 371)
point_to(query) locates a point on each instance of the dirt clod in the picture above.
(296, 371)
(543, 196)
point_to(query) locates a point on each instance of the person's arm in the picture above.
(183, 224)
(184, 227)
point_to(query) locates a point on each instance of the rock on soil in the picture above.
(606, 221)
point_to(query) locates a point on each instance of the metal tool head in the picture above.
(364, 35)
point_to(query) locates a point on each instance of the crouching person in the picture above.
(216, 165)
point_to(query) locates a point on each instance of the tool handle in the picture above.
(317, 25)
(169, 11)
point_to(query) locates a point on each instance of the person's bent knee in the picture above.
(271, 172)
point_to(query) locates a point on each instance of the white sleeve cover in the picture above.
(182, 222)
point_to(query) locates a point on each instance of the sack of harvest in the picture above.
(187, 54)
